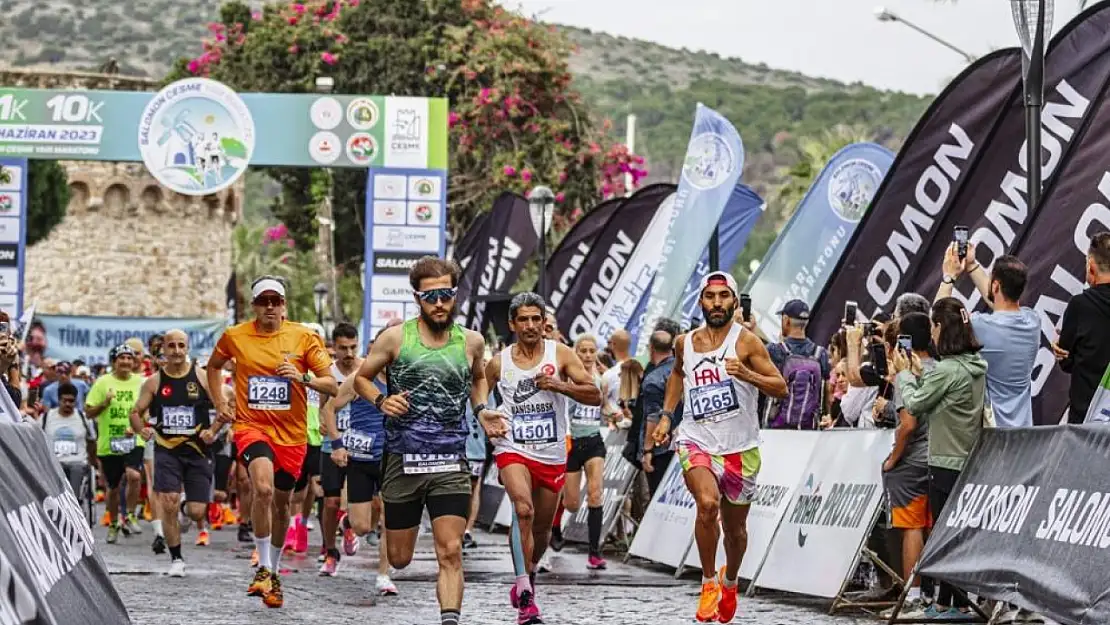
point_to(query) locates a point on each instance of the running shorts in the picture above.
(735, 473)
(363, 479)
(549, 476)
(287, 459)
(310, 467)
(223, 466)
(113, 467)
(583, 449)
(405, 495)
(907, 491)
(185, 469)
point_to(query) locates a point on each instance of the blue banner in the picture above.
(714, 161)
(13, 235)
(90, 338)
(809, 247)
(742, 211)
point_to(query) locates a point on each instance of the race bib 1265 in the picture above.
(713, 402)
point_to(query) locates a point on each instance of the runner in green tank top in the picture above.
(304, 497)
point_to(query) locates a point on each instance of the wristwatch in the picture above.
(307, 377)
(479, 408)
(379, 401)
(948, 280)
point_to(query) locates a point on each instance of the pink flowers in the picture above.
(292, 20)
(509, 171)
(193, 66)
(560, 197)
(329, 58)
(526, 176)
(294, 49)
(562, 177)
(277, 234)
(453, 118)
(299, 9)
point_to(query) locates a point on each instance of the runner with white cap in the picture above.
(719, 371)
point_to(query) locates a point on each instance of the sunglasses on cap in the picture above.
(269, 300)
(435, 296)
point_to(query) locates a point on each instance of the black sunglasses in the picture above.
(269, 300)
(435, 296)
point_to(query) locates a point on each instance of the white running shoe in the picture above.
(177, 569)
(385, 586)
(544, 565)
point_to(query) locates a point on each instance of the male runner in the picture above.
(304, 493)
(178, 400)
(275, 362)
(719, 371)
(434, 366)
(110, 401)
(534, 377)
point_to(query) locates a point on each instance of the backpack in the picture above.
(805, 387)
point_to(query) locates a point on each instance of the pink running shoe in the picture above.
(350, 543)
(290, 539)
(331, 565)
(529, 612)
(596, 563)
(301, 543)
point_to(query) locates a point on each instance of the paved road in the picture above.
(214, 591)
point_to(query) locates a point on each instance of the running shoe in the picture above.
(133, 524)
(228, 516)
(373, 539)
(177, 569)
(469, 542)
(106, 520)
(544, 565)
(350, 543)
(300, 544)
(529, 612)
(311, 524)
(158, 546)
(726, 607)
(261, 583)
(707, 603)
(274, 598)
(254, 559)
(245, 535)
(202, 538)
(99, 496)
(596, 563)
(323, 554)
(215, 516)
(148, 513)
(113, 533)
(385, 586)
(290, 538)
(557, 542)
(331, 565)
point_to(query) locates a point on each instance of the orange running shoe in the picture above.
(99, 496)
(148, 512)
(106, 520)
(274, 598)
(202, 538)
(229, 516)
(726, 609)
(254, 559)
(261, 583)
(707, 604)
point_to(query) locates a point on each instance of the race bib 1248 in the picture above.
(268, 393)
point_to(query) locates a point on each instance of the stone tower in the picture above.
(128, 246)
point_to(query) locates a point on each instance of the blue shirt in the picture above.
(1010, 342)
(50, 394)
(652, 391)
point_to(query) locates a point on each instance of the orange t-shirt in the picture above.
(264, 401)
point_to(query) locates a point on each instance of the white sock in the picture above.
(275, 557)
(294, 520)
(706, 580)
(731, 582)
(157, 525)
(262, 544)
(139, 510)
(915, 593)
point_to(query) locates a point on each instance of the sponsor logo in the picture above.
(709, 161)
(7, 202)
(361, 148)
(608, 276)
(192, 390)
(423, 212)
(548, 369)
(326, 113)
(845, 505)
(424, 187)
(524, 390)
(406, 132)
(362, 113)
(809, 492)
(9, 254)
(166, 390)
(852, 186)
(196, 136)
(395, 263)
(323, 147)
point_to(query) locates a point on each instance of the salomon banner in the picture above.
(50, 571)
(713, 164)
(602, 276)
(801, 259)
(667, 529)
(508, 244)
(615, 483)
(933, 164)
(464, 252)
(565, 262)
(1033, 533)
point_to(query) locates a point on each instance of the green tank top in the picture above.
(315, 439)
(438, 381)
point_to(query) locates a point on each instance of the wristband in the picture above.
(948, 280)
(379, 401)
(337, 443)
(479, 408)
(975, 268)
(668, 414)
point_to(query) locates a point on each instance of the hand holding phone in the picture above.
(960, 236)
(850, 309)
(746, 307)
(905, 341)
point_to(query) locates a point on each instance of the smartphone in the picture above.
(877, 352)
(868, 329)
(850, 313)
(5, 327)
(905, 341)
(960, 235)
(746, 306)
(32, 396)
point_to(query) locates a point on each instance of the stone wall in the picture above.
(128, 246)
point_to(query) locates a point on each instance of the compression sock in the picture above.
(275, 555)
(557, 520)
(449, 617)
(262, 545)
(175, 553)
(157, 525)
(516, 547)
(593, 521)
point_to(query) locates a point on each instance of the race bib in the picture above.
(266, 392)
(713, 402)
(313, 398)
(179, 420)
(359, 444)
(343, 418)
(416, 464)
(535, 429)
(65, 448)
(121, 445)
(586, 416)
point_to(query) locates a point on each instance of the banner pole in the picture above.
(715, 249)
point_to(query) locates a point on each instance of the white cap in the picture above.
(716, 277)
(267, 284)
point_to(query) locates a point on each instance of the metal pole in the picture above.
(1034, 101)
(970, 58)
(543, 252)
(336, 310)
(715, 250)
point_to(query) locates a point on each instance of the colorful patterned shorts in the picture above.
(735, 473)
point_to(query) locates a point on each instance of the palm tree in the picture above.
(814, 153)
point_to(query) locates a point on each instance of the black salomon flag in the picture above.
(933, 164)
(564, 263)
(464, 252)
(601, 269)
(509, 242)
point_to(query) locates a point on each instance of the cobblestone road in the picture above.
(214, 591)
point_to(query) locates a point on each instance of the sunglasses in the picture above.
(269, 300)
(435, 296)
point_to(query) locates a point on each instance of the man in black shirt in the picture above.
(1083, 348)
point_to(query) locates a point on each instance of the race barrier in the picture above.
(616, 482)
(50, 573)
(819, 495)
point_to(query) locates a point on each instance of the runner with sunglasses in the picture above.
(434, 366)
(276, 361)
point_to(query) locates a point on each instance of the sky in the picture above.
(839, 39)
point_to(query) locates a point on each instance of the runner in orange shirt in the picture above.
(275, 362)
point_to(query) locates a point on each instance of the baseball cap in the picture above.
(718, 278)
(120, 350)
(267, 284)
(63, 368)
(795, 309)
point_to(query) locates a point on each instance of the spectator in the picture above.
(1010, 335)
(952, 398)
(805, 366)
(656, 459)
(670, 326)
(9, 362)
(619, 344)
(70, 435)
(1083, 347)
(857, 404)
(50, 392)
(911, 303)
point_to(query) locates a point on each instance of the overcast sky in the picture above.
(838, 39)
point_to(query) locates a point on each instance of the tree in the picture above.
(814, 152)
(47, 198)
(514, 120)
(259, 250)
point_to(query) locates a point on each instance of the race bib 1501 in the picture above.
(415, 464)
(266, 392)
(179, 420)
(535, 429)
(713, 402)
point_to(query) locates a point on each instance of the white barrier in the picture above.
(667, 528)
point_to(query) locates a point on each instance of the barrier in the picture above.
(49, 571)
(617, 479)
(667, 529)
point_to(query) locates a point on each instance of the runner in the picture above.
(275, 362)
(587, 452)
(304, 493)
(355, 435)
(434, 366)
(110, 401)
(182, 427)
(719, 371)
(528, 430)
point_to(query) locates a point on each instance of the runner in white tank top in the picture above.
(529, 433)
(721, 369)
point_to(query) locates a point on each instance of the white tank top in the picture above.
(343, 415)
(719, 412)
(537, 419)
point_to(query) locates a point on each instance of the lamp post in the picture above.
(541, 203)
(1032, 19)
(884, 15)
(320, 291)
(326, 216)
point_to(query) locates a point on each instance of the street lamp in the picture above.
(884, 15)
(541, 203)
(1032, 18)
(326, 217)
(320, 291)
